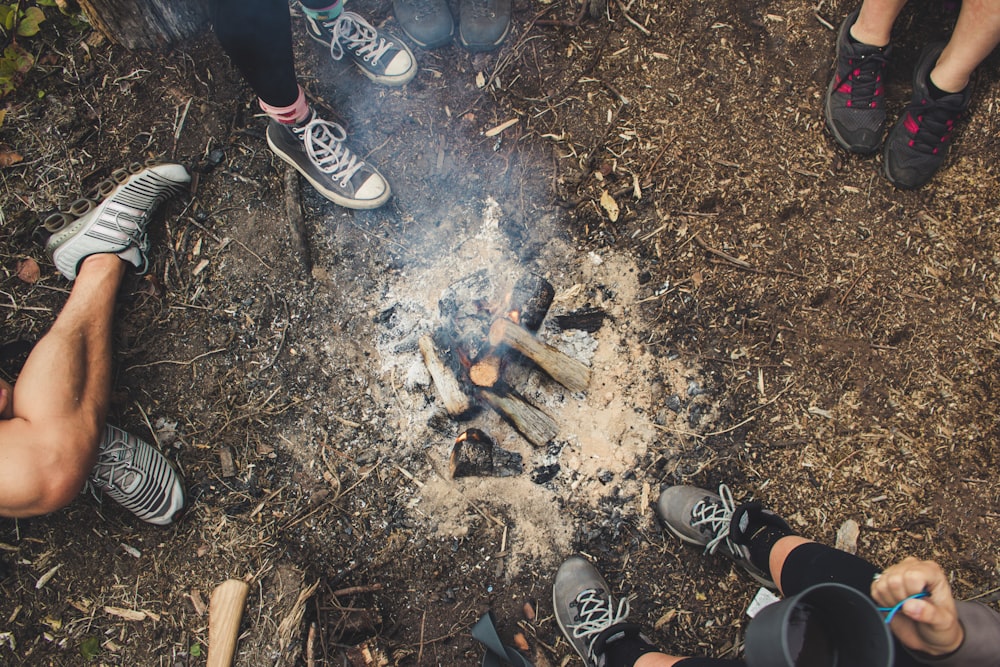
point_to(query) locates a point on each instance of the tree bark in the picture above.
(146, 24)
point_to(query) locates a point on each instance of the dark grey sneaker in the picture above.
(383, 59)
(701, 517)
(918, 143)
(586, 612)
(855, 98)
(483, 24)
(134, 474)
(427, 22)
(317, 150)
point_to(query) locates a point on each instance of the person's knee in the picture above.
(62, 462)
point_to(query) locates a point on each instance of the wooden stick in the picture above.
(536, 426)
(564, 369)
(455, 400)
(225, 609)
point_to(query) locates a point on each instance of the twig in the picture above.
(718, 253)
(178, 363)
(420, 653)
(356, 590)
(631, 20)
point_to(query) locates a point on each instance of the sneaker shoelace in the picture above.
(324, 142)
(716, 515)
(597, 614)
(930, 124)
(114, 469)
(863, 81)
(358, 35)
(482, 9)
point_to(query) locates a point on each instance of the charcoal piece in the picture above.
(543, 474)
(584, 319)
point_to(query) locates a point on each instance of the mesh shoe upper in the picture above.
(138, 477)
(317, 150)
(701, 517)
(387, 61)
(855, 98)
(118, 224)
(918, 143)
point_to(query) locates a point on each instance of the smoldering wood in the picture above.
(537, 427)
(486, 373)
(584, 319)
(147, 24)
(564, 369)
(532, 296)
(476, 453)
(456, 402)
(296, 222)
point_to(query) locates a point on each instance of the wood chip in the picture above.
(44, 579)
(501, 127)
(226, 462)
(127, 614)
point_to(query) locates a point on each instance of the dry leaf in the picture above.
(480, 80)
(9, 157)
(609, 204)
(28, 271)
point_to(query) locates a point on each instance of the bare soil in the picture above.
(779, 319)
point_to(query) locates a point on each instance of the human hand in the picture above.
(927, 624)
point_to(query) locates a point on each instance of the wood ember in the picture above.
(564, 369)
(531, 298)
(537, 427)
(475, 453)
(456, 402)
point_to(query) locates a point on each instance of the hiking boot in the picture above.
(427, 22)
(117, 224)
(384, 60)
(586, 612)
(918, 142)
(483, 24)
(317, 150)
(701, 517)
(855, 98)
(138, 477)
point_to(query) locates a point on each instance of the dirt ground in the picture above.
(776, 317)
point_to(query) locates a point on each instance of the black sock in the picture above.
(936, 93)
(625, 645)
(761, 543)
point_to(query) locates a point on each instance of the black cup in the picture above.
(826, 625)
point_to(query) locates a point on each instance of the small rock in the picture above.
(847, 536)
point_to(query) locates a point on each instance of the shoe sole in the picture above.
(340, 200)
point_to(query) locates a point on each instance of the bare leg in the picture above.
(657, 660)
(874, 24)
(977, 33)
(54, 417)
(780, 551)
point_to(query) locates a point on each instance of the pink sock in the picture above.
(290, 115)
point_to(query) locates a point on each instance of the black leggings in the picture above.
(257, 36)
(810, 564)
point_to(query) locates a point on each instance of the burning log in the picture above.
(476, 453)
(486, 372)
(537, 427)
(531, 298)
(564, 369)
(455, 400)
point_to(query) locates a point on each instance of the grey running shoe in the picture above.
(138, 477)
(701, 517)
(483, 24)
(117, 224)
(427, 22)
(586, 612)
(387, 61)
(317, 150)
(918, 143)
(855, 98)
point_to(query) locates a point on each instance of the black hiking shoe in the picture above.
(855, 98)
(427, 22)
(918, 142)
(317, 150)
(483, 24)
(381, 59)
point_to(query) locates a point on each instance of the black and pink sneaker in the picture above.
(855, 99)
(918, 142)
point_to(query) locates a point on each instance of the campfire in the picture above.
(483, 345)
